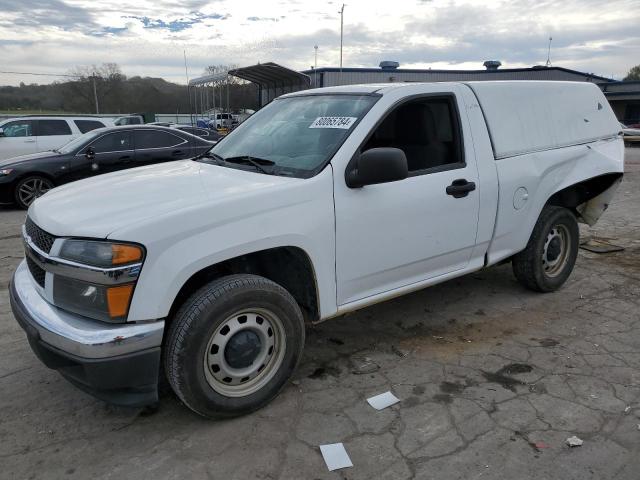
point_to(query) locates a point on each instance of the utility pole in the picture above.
(548, 64)
(95, 92)
(186, 74)
(341, 35)
(315, 68)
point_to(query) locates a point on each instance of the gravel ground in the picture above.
(492, 380)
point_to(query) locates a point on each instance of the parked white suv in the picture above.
(321, 203)
(30, 134)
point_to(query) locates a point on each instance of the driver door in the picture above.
(395, 234)
(108, 153)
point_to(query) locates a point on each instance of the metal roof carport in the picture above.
(273, 80)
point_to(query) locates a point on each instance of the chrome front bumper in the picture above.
(79, 336)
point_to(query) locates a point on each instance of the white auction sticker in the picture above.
(333, 122)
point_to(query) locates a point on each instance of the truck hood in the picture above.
(97, 206)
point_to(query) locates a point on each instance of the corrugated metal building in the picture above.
(328, 77)
(623, 96)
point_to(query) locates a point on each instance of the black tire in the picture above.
(39, 185)
(202, 318)
(531, 267)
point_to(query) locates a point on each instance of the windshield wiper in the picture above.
(258, 163)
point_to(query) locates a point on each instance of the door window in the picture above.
(87, 125)
(146, 139)
(200, 132)
(48, 128)
(426, 130)
(113, 142)
(18, 128)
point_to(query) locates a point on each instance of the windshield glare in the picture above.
(76, 143)
(299, 134)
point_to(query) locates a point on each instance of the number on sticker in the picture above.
(333, 122)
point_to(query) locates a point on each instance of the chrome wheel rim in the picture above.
(556, 251)
(245, 352)
(32, 189)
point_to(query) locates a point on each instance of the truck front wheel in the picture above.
(233, 345)
(547, 261)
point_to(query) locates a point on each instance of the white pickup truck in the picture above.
(323, 202)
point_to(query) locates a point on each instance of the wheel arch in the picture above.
(574, 195)
(38, 173)
(288, 266)
(589, 198)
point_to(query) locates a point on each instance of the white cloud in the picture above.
(147, 37)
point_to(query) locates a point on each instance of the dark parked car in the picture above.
(25, 178)
(205, 133)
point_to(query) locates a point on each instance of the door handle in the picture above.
(177, 153)
(125, 159)
(30, 140)
(460, 188)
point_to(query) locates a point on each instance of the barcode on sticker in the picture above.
(333, 122)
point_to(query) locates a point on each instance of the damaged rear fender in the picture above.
(591, 210)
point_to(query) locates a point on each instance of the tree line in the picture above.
(116, 93)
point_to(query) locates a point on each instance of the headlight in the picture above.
(102, 301)
(100, 254)
(6, 171)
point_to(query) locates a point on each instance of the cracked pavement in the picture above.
(492, 380)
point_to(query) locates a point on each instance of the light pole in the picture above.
(549, 53)
(186, 74)
(341, 34)
(95, 92)
(315, 68)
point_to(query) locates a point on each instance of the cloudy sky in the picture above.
(147, 37)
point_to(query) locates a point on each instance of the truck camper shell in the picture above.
(526, 117)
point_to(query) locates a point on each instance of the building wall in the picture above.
(624, 98)
(332, 78)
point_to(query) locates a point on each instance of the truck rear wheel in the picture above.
(233, 345)
(547, 261)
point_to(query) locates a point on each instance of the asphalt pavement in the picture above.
(492, 380)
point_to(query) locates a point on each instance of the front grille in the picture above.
(41, 239)
(37, 273)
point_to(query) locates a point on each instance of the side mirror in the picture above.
(90, 153)
(377, 165)
(1, 132)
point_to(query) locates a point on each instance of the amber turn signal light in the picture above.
(122, 254)
(118, 299)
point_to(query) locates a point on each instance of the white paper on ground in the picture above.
(335, 456)
(383, 400)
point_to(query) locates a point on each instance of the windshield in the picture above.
(76, 143)
(295, 136)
